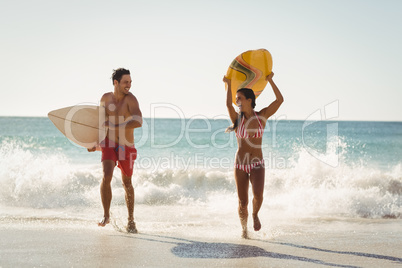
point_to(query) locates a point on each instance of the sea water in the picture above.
(183, 176)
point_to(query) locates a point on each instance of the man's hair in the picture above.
(118, 73)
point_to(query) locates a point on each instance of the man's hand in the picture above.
(109, 125)
(93, 149)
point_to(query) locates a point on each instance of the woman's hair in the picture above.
(248, 94)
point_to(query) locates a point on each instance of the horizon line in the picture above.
(188, 118)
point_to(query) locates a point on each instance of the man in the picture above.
(123, 115)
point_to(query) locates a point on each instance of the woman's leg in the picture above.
(242, 181)
(257, 179)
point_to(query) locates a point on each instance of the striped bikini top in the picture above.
(241, 131)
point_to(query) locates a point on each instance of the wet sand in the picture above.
(375, 244)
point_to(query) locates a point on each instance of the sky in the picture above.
(345, 55)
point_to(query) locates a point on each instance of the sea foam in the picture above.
(306, 188)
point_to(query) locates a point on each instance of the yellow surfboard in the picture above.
(248, 70)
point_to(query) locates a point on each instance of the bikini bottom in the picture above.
(249, 167)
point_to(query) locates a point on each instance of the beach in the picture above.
(330, 198)
(327, 149)
(37, 242)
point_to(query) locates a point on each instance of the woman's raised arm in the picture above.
(274, 106)
(232, 113)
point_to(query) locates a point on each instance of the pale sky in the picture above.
(62, 53)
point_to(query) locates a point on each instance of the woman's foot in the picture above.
(131, 228)
(244, 233)
(257, 223)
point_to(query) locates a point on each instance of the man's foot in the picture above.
(104, 221)
(131, 227)
(257, 223)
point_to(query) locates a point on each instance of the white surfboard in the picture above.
(82, 124)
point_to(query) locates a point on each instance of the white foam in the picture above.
(313, 188)
(41, 180)
(308, 188)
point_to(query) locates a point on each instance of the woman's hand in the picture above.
(226, 80)
(269, 77)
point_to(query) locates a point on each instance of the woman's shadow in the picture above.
(186, 248)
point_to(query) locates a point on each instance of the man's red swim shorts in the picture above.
(124, 155)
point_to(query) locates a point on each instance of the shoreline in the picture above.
(316, 244)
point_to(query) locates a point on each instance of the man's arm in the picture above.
(135, 120)
(102, 115)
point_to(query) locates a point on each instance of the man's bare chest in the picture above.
(114, 109)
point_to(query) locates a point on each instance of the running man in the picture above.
(123, 115)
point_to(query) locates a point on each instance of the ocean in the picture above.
(183, 176)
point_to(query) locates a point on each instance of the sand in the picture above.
(37, 243)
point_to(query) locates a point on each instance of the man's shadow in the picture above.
(185, 248)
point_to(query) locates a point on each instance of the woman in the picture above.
(249, 163)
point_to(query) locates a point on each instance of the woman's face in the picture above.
(243, 103)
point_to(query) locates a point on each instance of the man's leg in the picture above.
(129, 189)
(106, 190)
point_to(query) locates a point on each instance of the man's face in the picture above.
(125, 83)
